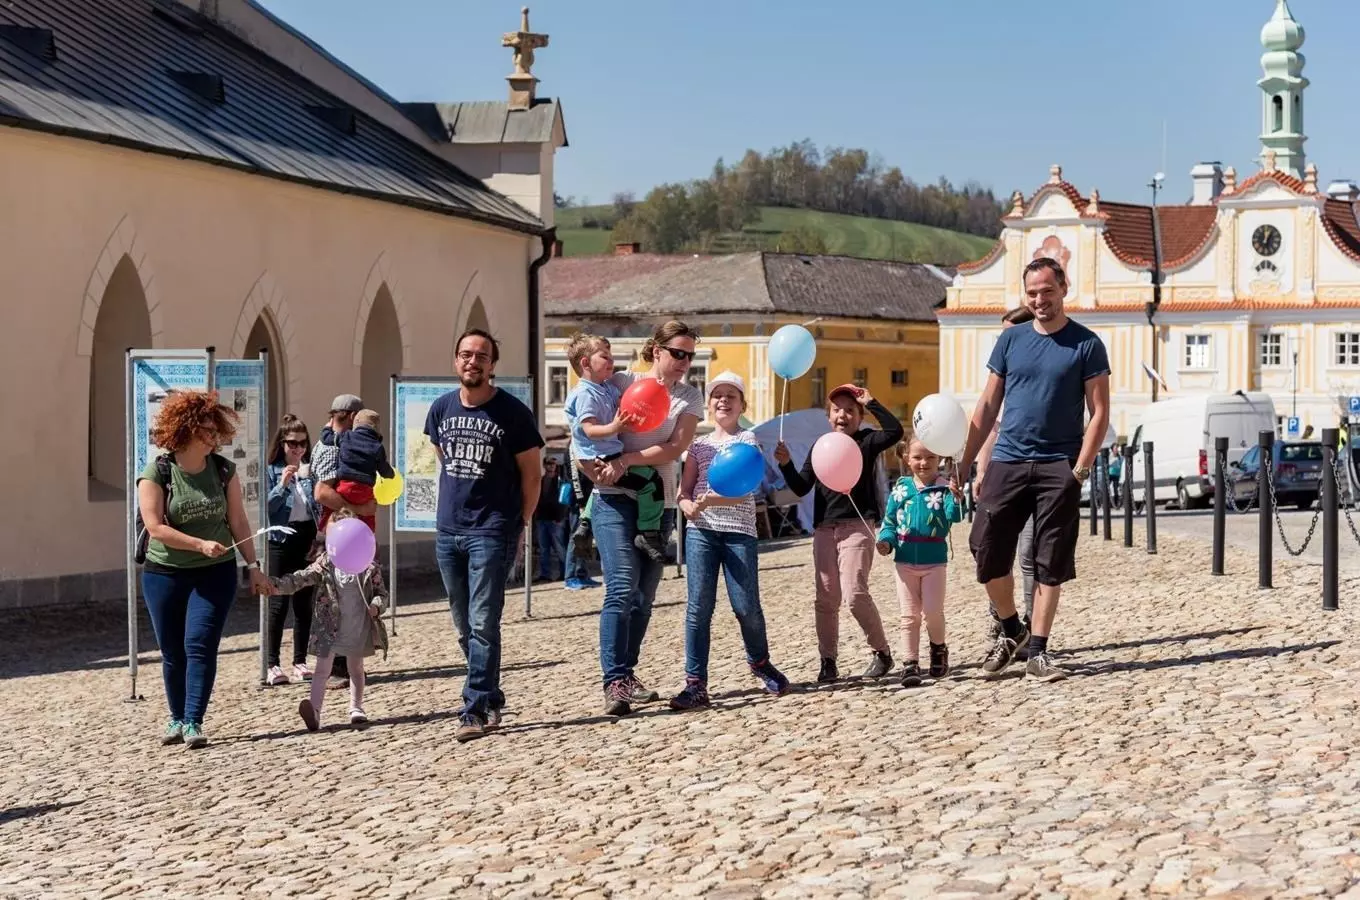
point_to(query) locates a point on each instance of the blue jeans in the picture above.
(576, 567)
(474, 568)
(189, 613)
(630, 582)
(548, 546)
(736, 554)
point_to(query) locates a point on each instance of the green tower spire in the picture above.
(1282, 87)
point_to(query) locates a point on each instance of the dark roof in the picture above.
(651, 285)
(155, 75)
(486, 121)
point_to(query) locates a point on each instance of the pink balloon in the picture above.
(837, 462)
(350, 545)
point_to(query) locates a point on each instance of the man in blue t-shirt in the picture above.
(1049, 374)
(490, 458)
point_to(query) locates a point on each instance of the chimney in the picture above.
(1343, 189)
(1207, 178)
(627, 249)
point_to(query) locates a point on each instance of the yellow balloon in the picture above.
(387, 490)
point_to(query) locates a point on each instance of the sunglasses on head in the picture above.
(681, 355)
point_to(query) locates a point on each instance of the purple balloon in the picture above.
(350, 545)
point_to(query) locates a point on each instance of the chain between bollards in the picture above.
(1265, 503)
(1150, 497)
(1220, 502)
(1330, 523)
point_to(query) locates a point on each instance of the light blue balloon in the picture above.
(792, 351)
(736, 470)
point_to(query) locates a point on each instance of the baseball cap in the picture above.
(851, 389)
(727, 377)
(346, 403)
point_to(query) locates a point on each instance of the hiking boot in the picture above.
(639, 692)
(879, 665)
(1041, 668)
(939, 660)
(194, 738)
(470, 727)
(829, 672)
(650, 543)
(173, 734)
(310, 717)
(774, 680)
(617, 695)
(911, 674)
(694, 695)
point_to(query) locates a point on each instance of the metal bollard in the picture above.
(1330, 523)
(1220, 502)
(1128, 495)
(1150, 497)
(1104, 479)
(1265, 536)
(1094, 481)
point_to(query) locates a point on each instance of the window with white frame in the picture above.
(861, 378)
(557, 385)
(818, 384)
(1197, 351)
(1269, 349)
(1347, 344)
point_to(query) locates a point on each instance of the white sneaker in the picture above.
(357, 716)
(276, 676)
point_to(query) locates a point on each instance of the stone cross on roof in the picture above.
(524, 42)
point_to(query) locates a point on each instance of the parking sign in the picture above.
(1355, 406)
(1292, 427)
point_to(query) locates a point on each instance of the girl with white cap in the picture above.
(722, 535)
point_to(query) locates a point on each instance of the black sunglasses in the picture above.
(681, 355)
(295, 443)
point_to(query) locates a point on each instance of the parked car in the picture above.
(1297, 469)
(1182, 431)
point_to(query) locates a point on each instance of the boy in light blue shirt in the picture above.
(592, 411)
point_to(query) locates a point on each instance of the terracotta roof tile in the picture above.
(1339, 220)
(1244, 305)
(1283, 179)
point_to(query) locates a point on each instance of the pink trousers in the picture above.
(842, 553)
(921, 589)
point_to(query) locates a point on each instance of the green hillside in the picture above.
(846, 235)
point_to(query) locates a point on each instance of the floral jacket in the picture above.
(918, 520)
(326, 606)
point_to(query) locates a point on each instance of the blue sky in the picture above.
(989, 90)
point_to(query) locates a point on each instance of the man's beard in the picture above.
(474, 380)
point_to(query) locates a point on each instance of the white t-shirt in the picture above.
(741, 518)
(685, 400)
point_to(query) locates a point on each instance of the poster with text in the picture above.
(413, 455)
(153, 378)
(240, 385)
(522, 388)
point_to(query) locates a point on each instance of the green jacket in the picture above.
(918, 520)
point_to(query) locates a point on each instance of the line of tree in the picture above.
(695, 215)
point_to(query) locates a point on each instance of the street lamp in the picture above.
(1156, 303)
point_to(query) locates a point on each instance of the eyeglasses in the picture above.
(289, 443)
(681, 355)
(469, 356)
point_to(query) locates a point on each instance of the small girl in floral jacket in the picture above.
(346, 620)
(920, 511)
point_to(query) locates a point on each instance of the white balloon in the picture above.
(940, 423)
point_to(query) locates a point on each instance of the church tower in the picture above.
(1282, 91)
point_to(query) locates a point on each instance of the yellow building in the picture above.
(1261, 278)
(874, 321)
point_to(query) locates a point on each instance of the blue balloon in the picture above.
(736, 470)
(792, 351)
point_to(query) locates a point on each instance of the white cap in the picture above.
(727, 377)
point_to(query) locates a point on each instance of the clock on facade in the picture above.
(1266, 240)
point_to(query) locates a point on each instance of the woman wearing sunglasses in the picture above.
(630, 576)
(292, 502)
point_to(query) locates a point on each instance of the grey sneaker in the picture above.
(173, 734)
(639, 692)
(1000, 656)
(194, 738)
(1041, 668)
(880, 665)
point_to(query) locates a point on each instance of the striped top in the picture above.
(740, 519)
(685, 400)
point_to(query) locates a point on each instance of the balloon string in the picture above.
(784, 406)
(872, 536)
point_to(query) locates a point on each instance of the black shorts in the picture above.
(1012, 492)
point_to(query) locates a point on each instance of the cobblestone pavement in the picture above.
(1205, 745)
(1240, 538)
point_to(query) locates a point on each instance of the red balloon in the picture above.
(648, 402)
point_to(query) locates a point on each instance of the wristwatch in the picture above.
(1082, 472)
(255, 565)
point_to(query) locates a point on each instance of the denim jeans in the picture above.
(548, 547)
(705, 552)
(575, 566)
(474, 568)
(188, 613)
(630, 582)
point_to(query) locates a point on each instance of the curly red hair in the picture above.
(185, 414)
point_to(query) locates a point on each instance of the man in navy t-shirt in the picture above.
(489, 451)
(1049, 374)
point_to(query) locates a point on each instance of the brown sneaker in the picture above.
(470, 727)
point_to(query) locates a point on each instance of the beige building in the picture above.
(193, 174)
(1261, 274)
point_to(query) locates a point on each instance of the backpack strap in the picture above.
(164, 479)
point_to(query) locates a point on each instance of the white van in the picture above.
(1182, 432)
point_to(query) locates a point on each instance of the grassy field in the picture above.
(847, 235)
